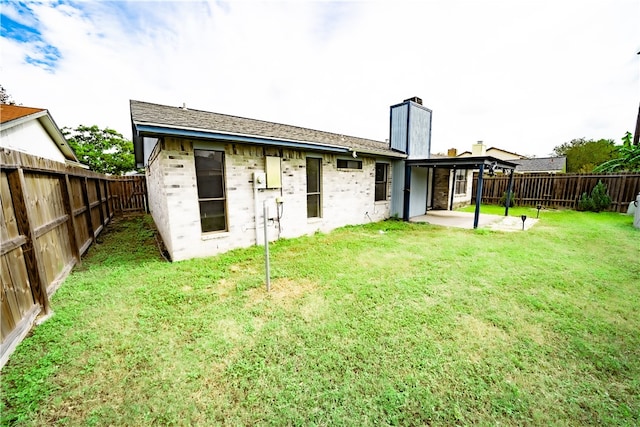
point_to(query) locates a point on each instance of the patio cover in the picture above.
(482, 163)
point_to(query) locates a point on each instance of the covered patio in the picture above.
(458, 219)
(483, 164)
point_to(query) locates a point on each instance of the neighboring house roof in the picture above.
(149, 119)
(11, 112)
(14, 115)
(511, 154)
(494, 152)
(542, 164)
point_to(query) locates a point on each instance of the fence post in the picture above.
(68, 207)
(578, 193)
(521, 178)
(33, 259)
(105, 183)
(85, 197)
(100, 202)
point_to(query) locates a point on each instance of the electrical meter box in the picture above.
(259, 180)
(273, 170)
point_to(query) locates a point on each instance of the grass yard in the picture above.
(387, 323)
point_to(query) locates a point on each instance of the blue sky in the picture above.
(520, 75)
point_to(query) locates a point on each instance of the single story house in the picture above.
(211, 176)
(33, 131)
(214, 180)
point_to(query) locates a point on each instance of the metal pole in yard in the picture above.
(509, 191)
(476, 215)
(266, 246)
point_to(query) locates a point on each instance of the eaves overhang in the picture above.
(58, 137)
(150, 129)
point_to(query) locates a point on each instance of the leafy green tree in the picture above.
(626, 157)
(583, 155)
(103, 150)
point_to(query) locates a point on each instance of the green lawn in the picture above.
(387, 323)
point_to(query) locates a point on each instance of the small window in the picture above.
(382, 172)
(211, 190)
(460, 182)
(349, 164)
(314, 188)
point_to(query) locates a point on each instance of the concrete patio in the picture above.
(465, 220)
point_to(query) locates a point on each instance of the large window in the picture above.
(382, 173)
(314, 188)
(460, 181)
(211, 190)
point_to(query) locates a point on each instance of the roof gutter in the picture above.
(392, 154)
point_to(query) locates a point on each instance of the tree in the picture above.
(626, 157)
(5, 98)
(584, 155)
(103, 150)
(598, 201)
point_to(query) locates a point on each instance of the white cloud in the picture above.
(523, 76)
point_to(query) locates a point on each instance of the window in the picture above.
(382, 172)
(349, 164)
(314, 195)
(460, 181)
(211, 190)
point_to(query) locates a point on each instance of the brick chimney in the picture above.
(452, 152)
(478, 149)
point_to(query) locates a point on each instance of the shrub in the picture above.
(586, 203)
(598, 201)
(503, 200)
(601, 199)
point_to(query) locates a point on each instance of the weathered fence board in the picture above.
(50, 215)
(560, 190)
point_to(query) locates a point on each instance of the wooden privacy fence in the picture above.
(51, 213)
(560, 190)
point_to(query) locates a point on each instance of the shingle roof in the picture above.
(542, 164)
(12, 112)
(180, 118)
(504, 151)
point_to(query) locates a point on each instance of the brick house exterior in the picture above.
(206, 179)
